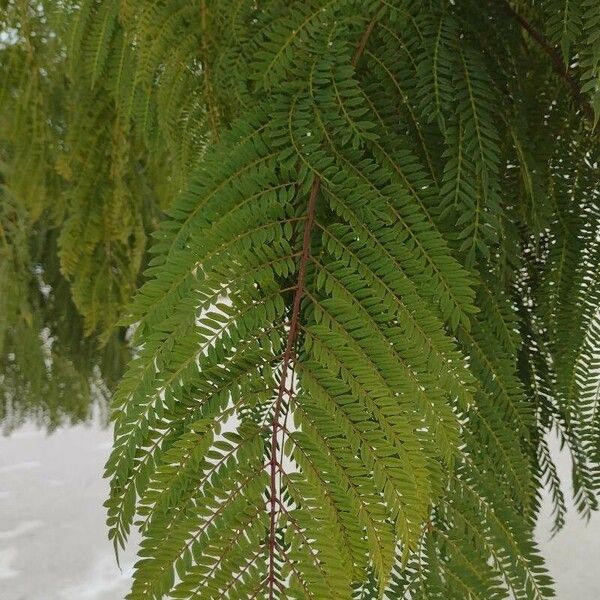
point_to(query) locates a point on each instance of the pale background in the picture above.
(53, 543)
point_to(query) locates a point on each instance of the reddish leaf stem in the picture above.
(290, 345)
(287, 358)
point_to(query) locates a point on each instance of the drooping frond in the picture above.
(590, 55)
(337, 386)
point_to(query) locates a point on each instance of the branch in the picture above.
(561, 69)
(291, 343)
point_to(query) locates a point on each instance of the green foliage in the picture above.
(374, 296)
(87, 192)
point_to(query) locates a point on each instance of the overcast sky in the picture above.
(53, 543)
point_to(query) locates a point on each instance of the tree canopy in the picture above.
(372, 291)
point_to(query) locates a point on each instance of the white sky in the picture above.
(53, 543)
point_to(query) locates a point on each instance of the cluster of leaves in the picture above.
(86, 173)
(375, 295)
(106, 108)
